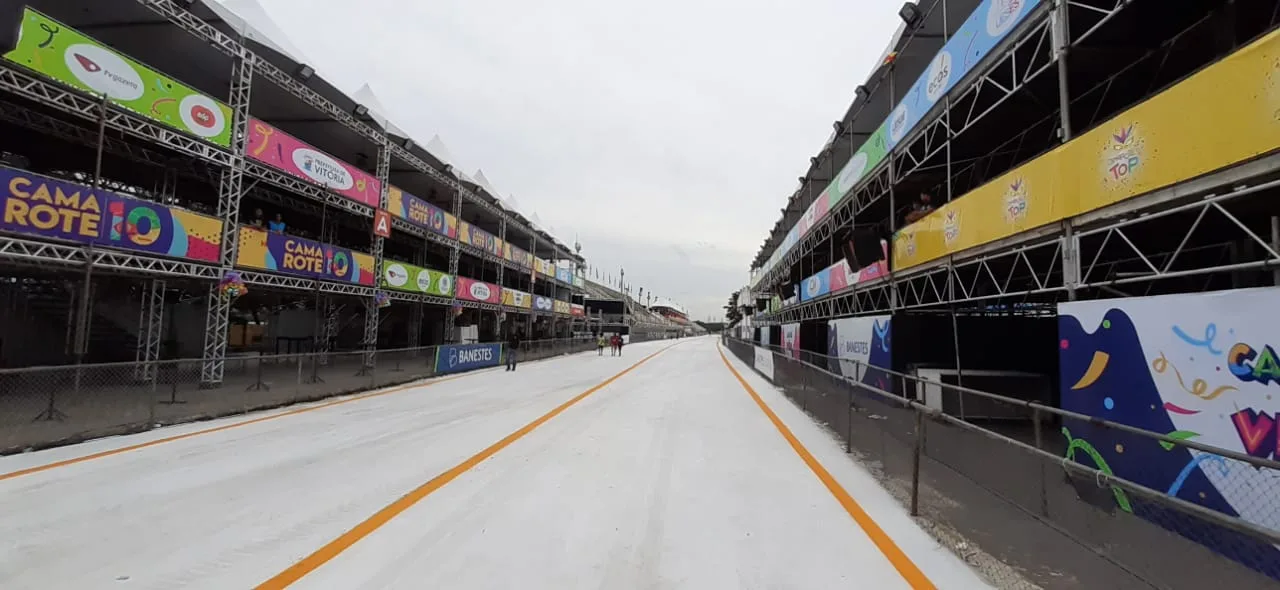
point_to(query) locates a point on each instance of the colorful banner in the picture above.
(791, 340)
(301, 257)
(41, 206)
(403, 276)
(564, 275)
(473, 290)
(561, 307)
(1200, 367)
(282, 151)
(68, 56)
(544, 267)
(1152, 145)
(517, 255)
(988, 26)
(470, 234)
(514, 298)
(421, 213)
(543, 304)
(577, 309)
(456, 358)
(857, 345)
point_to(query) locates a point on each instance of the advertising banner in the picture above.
(403, 276)
(564, 275)
(456, 358)
(421, 213)
(988, 26)
(517, 255)
(68, 56)
(282, 151)
(1151, 146)
(514, 298)
(763, 362)
(579, 282)
(576, 309)
(1199, 367)
(301, 257)
(480, 291)
(37, 205)
(791, 340)
(543, 304)
(561, 307)
(544, 267)
(857, 345)
(470, 234)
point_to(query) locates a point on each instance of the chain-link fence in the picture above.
(47, 406)
(1017, 489)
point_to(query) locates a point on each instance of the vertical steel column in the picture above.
(533, 282)
(371, 304)
(1061, 35)
(154, 328)
(415, 312)
(502, 268)
(893, 212)
(454, 253)
(218, 318)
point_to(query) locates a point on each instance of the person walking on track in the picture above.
(620, 343)
(600, 345)
(513, 348)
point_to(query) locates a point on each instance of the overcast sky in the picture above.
(665, 135)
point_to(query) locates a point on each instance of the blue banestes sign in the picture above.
(456, 358)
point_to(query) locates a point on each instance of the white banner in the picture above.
(764, 362)
(1201, 367)
(858, 343)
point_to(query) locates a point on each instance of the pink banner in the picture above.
(473, 290)
(280, 150)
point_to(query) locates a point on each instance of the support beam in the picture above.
(217, 317)
(371, 311)
(454, 253)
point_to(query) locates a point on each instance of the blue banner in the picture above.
(456, 358)
(564, 275)
(816, 285)
(989, 24)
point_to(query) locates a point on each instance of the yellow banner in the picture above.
(1225, 114)
(562, 307)
(514, 298)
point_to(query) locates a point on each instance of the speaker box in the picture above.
(10, 24)
(861, 247)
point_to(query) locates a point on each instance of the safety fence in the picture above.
(1019, 480)
(48, 406)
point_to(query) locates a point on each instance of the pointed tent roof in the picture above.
(251, 20)
(367, 97)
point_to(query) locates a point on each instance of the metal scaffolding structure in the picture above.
(1094, 253)
(59, 113)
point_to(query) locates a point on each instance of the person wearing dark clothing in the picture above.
(513, 349)
(620, 343)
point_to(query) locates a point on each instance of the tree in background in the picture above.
(732, 313)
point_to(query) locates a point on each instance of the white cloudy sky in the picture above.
(665, 134)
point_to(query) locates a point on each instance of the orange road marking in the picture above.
(168, 439)
(912, 574)
(335, 547)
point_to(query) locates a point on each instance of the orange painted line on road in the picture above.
(169, 439)
(912, 574)
(335, 547)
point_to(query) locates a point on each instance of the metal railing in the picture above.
(49, 406)
(1021, 481)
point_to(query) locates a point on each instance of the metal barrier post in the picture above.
(1044, 488)
(915, 462)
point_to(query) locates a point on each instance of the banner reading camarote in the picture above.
(282, 151)
(301, 257)
(470, 234)
(403, 276)
(421, 213)
(37, 205)
(68, 56)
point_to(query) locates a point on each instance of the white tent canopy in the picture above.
(249, 19)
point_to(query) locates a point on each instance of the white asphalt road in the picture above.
(670, 476)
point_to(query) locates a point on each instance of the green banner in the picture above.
(402, 276)
(64, 54)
